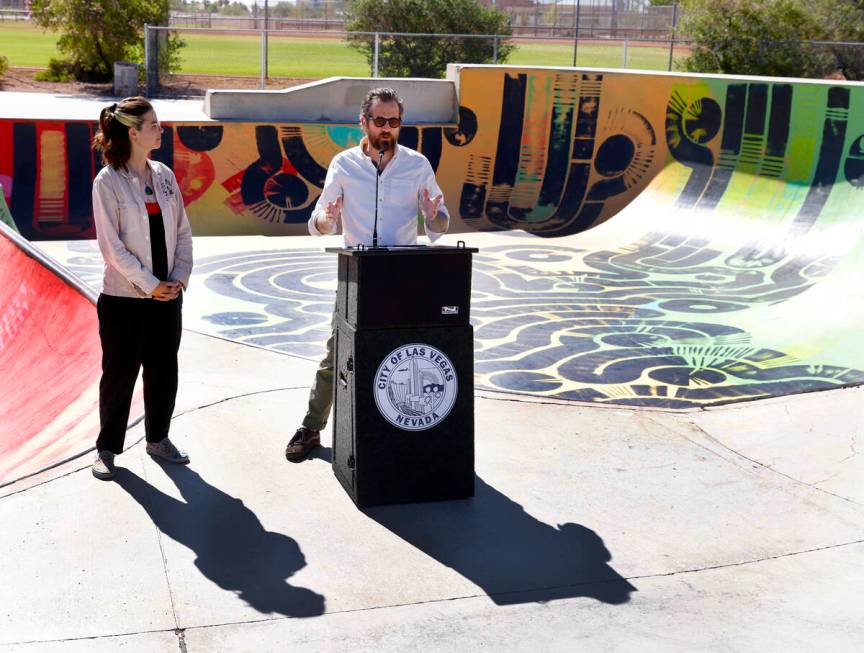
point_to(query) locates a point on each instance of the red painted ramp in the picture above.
(50, 362)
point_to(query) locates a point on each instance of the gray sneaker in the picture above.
(166, 450)
(103, 466)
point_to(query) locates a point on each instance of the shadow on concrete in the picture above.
(322, 453)
(232, 548)
(512, 556)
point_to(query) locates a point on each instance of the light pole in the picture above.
(576, 32)
(672, 41)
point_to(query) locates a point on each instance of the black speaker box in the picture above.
(404, 287)
(404, 413)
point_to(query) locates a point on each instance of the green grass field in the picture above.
(220, 54)
(25, 45)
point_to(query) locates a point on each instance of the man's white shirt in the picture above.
(351, 175)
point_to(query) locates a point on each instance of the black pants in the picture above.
(136, 333)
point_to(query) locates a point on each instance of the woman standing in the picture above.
(146, 241)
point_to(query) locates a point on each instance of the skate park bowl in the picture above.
(656, 251)
(655, 240)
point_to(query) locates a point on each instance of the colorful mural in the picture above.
(736, 227)
(552, 152)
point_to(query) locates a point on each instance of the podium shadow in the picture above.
(232, 547)
(512, 556)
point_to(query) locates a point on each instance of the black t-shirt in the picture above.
(157, 240)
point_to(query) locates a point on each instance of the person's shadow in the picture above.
(512, 556)
(232, 547)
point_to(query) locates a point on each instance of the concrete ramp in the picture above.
(672, 304)
(50, 361)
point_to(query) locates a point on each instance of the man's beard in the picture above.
(379, 144)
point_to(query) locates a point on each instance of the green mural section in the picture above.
(731, 276)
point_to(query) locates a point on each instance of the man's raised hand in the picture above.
(332, 213)
(429, 206)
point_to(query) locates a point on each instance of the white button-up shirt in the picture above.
(123, 230)
(352, 175)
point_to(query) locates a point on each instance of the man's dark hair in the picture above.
(382, 95)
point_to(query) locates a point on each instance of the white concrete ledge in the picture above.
(336, 100)
(16, 105)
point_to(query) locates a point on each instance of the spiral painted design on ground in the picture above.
(643, 325)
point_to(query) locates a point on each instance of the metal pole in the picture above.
(266, 49)
(147, 69)
(624, 63)
(672, 41)
(375, 57)
(554, 17)
(536, 15)
(263, 65)
(576, 34)
(495, 50)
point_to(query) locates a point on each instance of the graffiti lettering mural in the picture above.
(552, 152)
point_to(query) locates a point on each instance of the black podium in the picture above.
(403, 421)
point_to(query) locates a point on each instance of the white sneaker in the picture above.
(103, 466)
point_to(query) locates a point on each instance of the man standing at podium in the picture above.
(404, 183)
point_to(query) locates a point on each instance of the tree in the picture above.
(234, 9)
(283, 10)
(425, 56)
(843, 20)
(96, 33)
(752, 37)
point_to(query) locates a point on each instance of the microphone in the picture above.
(377, 178)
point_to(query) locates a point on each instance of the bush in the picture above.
(843, 20)
(753, 37)
(4, 65)
(57, 71)
(424, 56)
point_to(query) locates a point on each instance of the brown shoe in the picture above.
(304, 441)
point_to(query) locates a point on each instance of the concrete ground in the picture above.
(736, 528)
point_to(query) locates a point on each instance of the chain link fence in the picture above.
(246, 58)
(249, 58)
(617, 19)
(15, 15)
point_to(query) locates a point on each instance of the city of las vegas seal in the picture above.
(415, 387)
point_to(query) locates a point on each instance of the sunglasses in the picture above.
(378, 121)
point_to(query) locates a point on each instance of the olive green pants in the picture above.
(321, 395)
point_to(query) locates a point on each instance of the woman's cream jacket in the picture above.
(123, 230)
